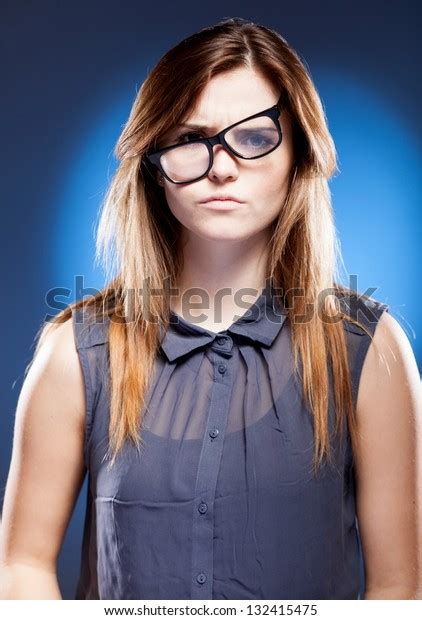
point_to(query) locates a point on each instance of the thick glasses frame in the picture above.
(153, 157)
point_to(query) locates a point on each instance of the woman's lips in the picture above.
(222, 205)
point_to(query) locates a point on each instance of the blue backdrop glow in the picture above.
(72, 74)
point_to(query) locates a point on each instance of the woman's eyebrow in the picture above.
(196, 126)
(201, 126)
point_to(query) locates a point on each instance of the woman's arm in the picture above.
(388, 466)
(46, 470)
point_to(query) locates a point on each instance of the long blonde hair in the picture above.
(137, 235)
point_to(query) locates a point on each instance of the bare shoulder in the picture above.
(390, 363)
(389, 393)
(389, 423)
(56, 371)
(60, 339)
(47, 457)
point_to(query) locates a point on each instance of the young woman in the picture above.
(264, 450)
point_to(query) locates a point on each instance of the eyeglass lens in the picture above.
(252, 138)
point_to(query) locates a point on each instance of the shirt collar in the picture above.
(263, 322)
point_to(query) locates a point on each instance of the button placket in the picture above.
(202, 508)
(213, 433)
(223, 345)
(206, 481)
(201, 578)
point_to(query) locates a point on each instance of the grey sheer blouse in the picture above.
(221, 502)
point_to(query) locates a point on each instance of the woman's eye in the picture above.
(188, 135)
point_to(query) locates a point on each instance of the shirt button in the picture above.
(201, 578)
(214, 432)
(222, 368)
(202, 507)
(221, 340)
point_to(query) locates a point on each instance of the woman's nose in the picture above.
(224, 162)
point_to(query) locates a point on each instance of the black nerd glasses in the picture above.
(191, 160)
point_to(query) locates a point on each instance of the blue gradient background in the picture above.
(70, 75)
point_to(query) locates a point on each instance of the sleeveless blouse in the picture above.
(220, 502)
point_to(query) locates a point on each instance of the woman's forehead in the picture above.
(229, 97)
(214, 118)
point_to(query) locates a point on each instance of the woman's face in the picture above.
(261, 184)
